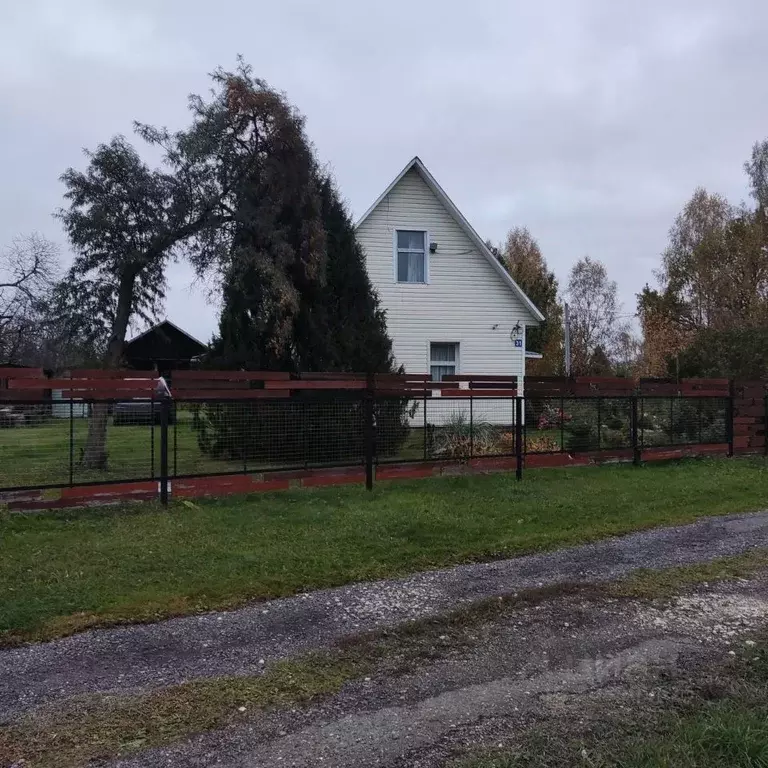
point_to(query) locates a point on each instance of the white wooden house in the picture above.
(451, 307)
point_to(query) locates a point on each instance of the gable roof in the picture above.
(164, 340)
(458, 217)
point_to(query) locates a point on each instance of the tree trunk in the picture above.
(95, 455)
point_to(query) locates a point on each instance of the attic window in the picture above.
(411, 256)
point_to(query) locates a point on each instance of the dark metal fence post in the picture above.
(244, 435)
(700, 415)
(599, 424)
(633, 431)
(562, 422)
(175, 440)
(519, 436)
(672, 420)
(165, 409)
(765, 425)
(729, 417)
(71, 442)
(152, 404)
(305, 421)
(471, 426)
(426, 430)
(369, 436)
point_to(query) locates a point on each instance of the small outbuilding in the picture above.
(163, 348)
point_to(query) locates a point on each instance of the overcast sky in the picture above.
(588, 121)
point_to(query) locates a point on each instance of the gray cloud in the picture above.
(589, 122)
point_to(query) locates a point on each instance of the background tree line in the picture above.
(602, 340)
(709, 314)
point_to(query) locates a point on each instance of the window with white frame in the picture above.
(443, 360)
(411, 256)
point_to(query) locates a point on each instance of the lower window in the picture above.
(443, 360)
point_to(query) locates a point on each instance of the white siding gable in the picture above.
(465, 301)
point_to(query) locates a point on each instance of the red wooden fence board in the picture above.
(233, 394)
(332, 375)
(701, 389)
(479, 393)
(8, 395)
(21, 373)
(108, 394)
(409, 394)
(231, 375)
(706, 383)
(100, 373)
(212, 384)
(615, 382)
(388, 377)
(319, 384)
(468, 377)
(145, 385)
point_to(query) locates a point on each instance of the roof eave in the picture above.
(173, 325)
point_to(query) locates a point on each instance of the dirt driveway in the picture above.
(472, 672)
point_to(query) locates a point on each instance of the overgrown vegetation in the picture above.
(458, 438)
(64, 572)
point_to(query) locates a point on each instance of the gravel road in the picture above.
(518, 666)
(242, 642)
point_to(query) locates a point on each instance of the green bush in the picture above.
(616, 422)
(615, 438)
(645, 421)
(310, 429)
(581, 436)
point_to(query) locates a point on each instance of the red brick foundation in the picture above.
(222, 485)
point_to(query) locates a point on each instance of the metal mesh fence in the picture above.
(400, 429)
(62, 442)
(34, 445)
(671, 421)
(443, 428)
(115, 441)
(256, 435)
(576, 425)
(70, 442)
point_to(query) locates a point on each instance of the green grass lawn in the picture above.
(40, 454)
(63, 572)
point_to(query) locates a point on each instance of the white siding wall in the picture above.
(463, 300)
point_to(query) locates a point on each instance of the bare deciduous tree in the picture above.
(595, 315)
(28, 269)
